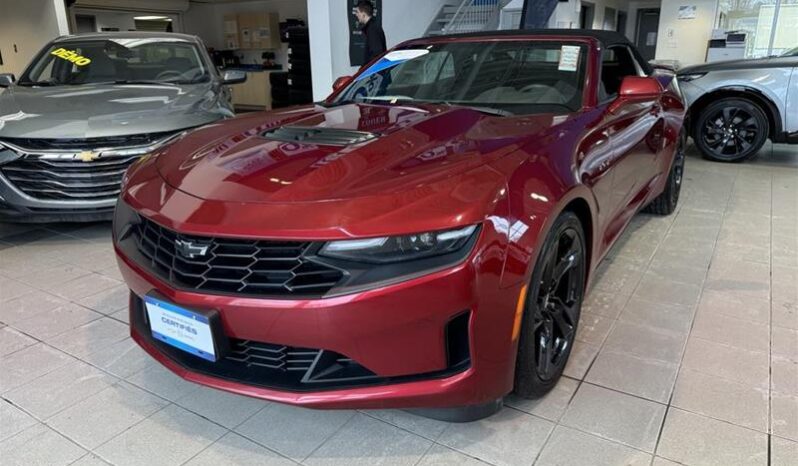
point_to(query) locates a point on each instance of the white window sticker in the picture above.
(403, 55)
(569, 58)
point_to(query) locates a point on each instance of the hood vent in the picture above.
(320, 136)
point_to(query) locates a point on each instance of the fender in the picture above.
(777, 119)
(522, 252)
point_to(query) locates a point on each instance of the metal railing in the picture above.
(474, 15)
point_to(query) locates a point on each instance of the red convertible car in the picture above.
(421, 239)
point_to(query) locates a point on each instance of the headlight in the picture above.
(690, 77)
(391, 249)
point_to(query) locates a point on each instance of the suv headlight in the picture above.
(690, 77)
(391, 249)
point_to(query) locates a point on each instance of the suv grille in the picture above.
(65, 179)
(47, 170)
(34, 144)
(246, 267)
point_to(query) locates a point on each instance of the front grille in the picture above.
(266, 355)
(321, 136)
(38, 144)
(234, 266)
(68, 179)
(49, 170)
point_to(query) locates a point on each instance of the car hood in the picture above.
(751, 63)
(92, 110)
(423, 149)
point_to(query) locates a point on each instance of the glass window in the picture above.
(755, 17)
(616, 64)
(438, 65)
(117, 61)
(519, 77)
(786, 37)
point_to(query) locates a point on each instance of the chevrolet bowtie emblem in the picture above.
(189, 249)
(87, 156)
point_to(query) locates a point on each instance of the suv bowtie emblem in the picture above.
(87, 156)
(189, 249)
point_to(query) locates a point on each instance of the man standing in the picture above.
(372, 31)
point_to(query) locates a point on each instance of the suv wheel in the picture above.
(731, 130)
(552, 310)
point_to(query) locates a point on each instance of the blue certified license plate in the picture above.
(187, 330)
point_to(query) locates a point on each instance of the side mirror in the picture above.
(233, 77)
(341, 82)
(637, 89)
(6, 79)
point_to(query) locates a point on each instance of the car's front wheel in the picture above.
(553, 304)
(731, 130)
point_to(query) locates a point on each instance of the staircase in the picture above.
(462, 16)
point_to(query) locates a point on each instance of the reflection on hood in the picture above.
(101, 110)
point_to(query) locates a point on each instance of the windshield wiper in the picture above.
(37, 83)
(390, 98)
(145, 81)
(490, 110)
(479, 108)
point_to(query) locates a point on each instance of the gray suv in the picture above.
(87, 107)
(735, 106)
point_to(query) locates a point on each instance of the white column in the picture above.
(321, 57)
(61, 17)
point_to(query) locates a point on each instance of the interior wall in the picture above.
(109, 19)
(206, 21)
(634, 7)
(601, 5)
(134, 5)
(25, 27)
(200, 20)
(566, 14)
(685, 39)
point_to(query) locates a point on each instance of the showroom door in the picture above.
(646, 37)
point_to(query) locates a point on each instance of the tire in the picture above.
(666, 202)
(731, 130)
(552, 307)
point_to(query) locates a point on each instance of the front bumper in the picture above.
(398, 333)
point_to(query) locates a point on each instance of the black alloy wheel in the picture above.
(666, 202)
(552, 309)
(731, 130)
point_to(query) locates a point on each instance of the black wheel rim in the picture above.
(557, 303)
(678, 170)
(731, 132)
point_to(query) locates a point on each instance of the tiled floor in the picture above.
(687, 353)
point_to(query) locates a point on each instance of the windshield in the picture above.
(791, 53)
(94, 61)
(510, 77)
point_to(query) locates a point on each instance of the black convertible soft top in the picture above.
(605, 38)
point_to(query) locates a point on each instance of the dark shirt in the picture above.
(375, 40)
